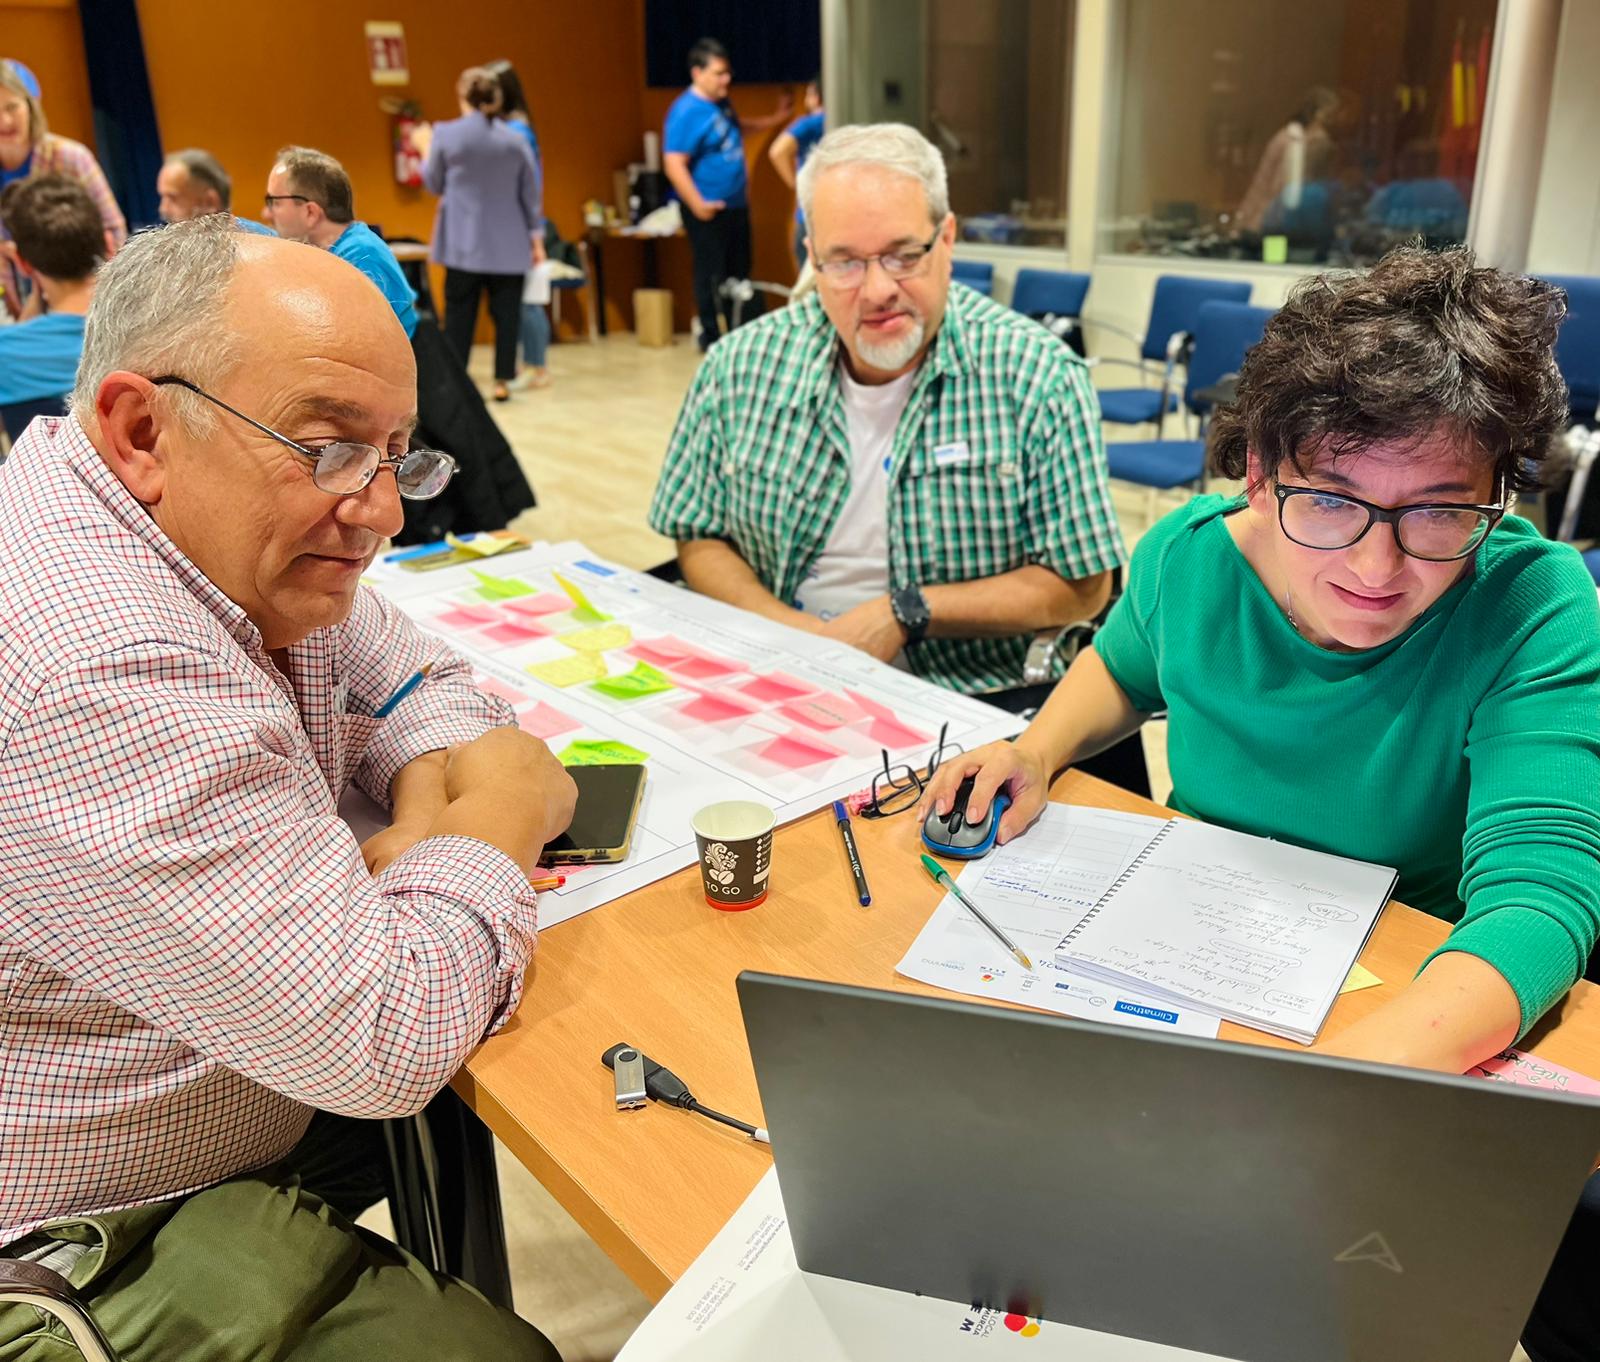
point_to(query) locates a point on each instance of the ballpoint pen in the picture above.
(942, 878)
(842, 816)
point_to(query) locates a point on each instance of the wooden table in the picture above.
(657, 969)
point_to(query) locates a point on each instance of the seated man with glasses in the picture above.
(1365, 653)
(203, 976)
(895, 463)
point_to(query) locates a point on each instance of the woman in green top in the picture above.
(1365, 653)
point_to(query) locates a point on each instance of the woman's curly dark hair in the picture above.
(1424, 341)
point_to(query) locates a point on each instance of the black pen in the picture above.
(842, 814)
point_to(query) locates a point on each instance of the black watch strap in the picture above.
(910, 608)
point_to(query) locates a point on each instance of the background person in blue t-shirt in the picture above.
(310, 198)
(789, 151)
(58, 241)
(703, 148)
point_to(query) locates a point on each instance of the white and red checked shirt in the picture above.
(192, 954)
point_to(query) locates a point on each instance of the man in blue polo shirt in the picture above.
(310, 198)
(57, 241)
(703, 157)
(788, 155)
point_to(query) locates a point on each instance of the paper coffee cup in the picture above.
(735, 842)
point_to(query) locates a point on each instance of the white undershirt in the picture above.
(854, 564)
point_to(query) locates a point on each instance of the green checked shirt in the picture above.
(997, 463)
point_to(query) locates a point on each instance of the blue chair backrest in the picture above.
(1176, 307)
(1578, 345)
(1223, 332)
(14, 416)
(1059, 291)
(977, 274)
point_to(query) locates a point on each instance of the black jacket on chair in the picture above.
(489, 487)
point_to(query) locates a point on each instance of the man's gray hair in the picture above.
(204, 168)
(158, 309)
(893, 146)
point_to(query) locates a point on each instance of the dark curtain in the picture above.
(774, 42)
(126, 137)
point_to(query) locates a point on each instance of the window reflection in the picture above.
(1322, 132)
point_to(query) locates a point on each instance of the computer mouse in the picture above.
(952, 834)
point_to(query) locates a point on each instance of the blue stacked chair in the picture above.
(975, 274)
(1223, 333)
(1578, 345)
(1174, 313)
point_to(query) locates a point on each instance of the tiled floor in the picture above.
(592, 445)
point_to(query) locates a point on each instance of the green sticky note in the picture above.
(582, 607)
(599, 639)
(642, 680)
(502, 588)
(602, 752)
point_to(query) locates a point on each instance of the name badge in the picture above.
(948, 456)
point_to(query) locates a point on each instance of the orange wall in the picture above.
(247, 79)
(48, 37)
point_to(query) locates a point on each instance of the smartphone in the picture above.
(602, 824)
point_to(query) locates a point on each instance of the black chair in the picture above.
(33, 1284)
(15, 416)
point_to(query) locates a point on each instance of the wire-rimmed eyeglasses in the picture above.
(898, 787)
(342, 468)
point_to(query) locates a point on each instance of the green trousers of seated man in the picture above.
(262, 1268)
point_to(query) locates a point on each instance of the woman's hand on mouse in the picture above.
(1011, 766)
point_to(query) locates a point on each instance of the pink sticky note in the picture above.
(892, 733)
(821, 711)
(1529, 1071)
(796, 750)
(663, 652)
(545, 603)
(702, 667)
(871, 706)
(545, 721)
(711, 709)
(776, 686)
(512, 632)
(489, 686)
(467, 617)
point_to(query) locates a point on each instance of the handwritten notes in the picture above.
(1529, 1071)
(602, 752)
(641, 681)
(1256, 931)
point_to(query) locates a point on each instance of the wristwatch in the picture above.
(910, 608)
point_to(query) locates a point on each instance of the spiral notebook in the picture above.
(1251, 930)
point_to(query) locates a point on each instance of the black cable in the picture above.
(692, 1105)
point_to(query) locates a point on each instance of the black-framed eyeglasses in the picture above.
(898, 788)
(900, 264)
(343, 468)
(271, 199)
(1435, 531)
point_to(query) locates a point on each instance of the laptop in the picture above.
(1257, 1204)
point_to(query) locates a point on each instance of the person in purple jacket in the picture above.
(489, 228)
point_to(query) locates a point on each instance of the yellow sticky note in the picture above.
(602, 752)
(568, 671)
(487, 543)
(602, 638)
(1360, 977)
(582, 607)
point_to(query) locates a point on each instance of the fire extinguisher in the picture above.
(405, 119)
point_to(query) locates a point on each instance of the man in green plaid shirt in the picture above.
(891, 462)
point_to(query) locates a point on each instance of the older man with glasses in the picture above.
(198, 959)
(893, 462)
